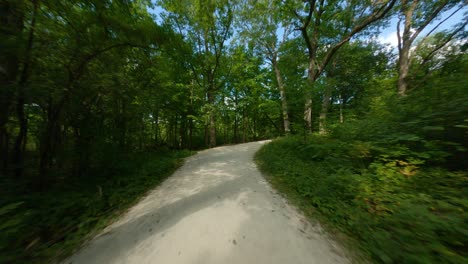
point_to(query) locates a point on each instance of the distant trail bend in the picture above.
(216, 209)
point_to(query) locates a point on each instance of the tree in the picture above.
(20, 142)
(325, 27)
(12, 32)
(261, 22)
(355, 67)
(50, 49)
(247, 96)
(208, 26)
(416, 16)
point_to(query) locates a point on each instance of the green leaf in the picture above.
(10, 207)
(433, 128)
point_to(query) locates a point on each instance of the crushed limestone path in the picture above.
(216, 209)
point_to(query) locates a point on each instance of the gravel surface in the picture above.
(217, 208)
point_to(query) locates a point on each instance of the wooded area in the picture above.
(90, 87)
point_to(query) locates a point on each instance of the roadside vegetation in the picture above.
(43, 227)
(100, 98)
(394, 179)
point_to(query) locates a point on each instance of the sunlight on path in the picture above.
(217, 208)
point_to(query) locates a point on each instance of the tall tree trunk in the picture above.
(255, 126)
(11, 19)
(225, 137)
(403, 69)
(236, 133)
(244, 126)
(212, 126)
(324, 111)
(183, 131)
(311, 33)
(167, 130)
(341, 108)
(327, 93)
(207, 136)
(190, 133)
(235, 136)
(308, 112)
(83, 144)
(50, 137)
(48, 143)
(410, 33)
(190, 119)
(311, 78)
(141, 134)
(20, 143)
(175, 141)
(122, 124)
(284, 104)
(212, 129)
(404, 44)
(156, 126)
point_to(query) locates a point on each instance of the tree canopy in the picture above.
(85, 84)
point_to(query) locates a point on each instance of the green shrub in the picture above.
(46, 226)
(387, 197)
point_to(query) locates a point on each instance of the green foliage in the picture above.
(393, 175)
(39, 227)
(84, 81)
(398, 210)
(395, 178)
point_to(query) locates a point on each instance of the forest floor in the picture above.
(217, 208)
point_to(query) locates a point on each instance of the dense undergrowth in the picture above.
(42, 227)
(399, 212)
(395, 179)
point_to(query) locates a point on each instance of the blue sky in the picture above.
(388, 34)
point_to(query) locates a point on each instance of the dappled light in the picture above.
(217, 215)
(359, 108)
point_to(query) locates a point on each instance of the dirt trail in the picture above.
(217, 208)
